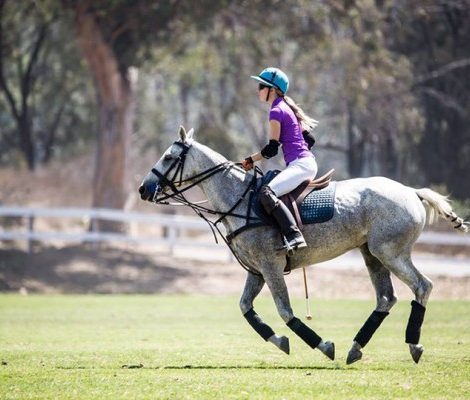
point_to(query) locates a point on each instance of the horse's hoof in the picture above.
(329, 350)
(353, 356)
(284, 344)
(416, 350)
(281, 342)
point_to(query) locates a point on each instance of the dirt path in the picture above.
(82, 269)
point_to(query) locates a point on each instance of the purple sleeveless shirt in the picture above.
(291, 139)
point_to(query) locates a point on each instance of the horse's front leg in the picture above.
(277, 286)
(253, 285)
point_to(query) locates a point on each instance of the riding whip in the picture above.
(308, 315)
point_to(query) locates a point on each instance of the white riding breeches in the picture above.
(296, 172)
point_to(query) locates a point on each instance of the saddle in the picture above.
(294, 200)
(311, 202)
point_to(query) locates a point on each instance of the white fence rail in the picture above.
(174, 225)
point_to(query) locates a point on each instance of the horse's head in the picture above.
(169, 172)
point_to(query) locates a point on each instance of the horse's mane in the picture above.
(218, 158)
(212, 154)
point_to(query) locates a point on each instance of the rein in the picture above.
(178, 195)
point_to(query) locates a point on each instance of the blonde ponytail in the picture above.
(306, 123)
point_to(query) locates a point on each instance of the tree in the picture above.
(115, 110)
(40, 77)
(26, 62)
(435, 37)
(114, 37)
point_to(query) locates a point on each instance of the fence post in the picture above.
(93, 229)
(30, 232)
(172, 236)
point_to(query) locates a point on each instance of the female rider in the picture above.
(289, 128)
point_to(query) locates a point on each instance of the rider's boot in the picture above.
(288, 227)
(282, 215)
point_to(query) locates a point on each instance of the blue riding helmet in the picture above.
(273, 77)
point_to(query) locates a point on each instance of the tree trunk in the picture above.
(355, 146)
(26, 143)
(20, 107)
(116, 114)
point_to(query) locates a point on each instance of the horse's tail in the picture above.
(438, 205)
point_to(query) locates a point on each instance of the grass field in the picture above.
(72, 347)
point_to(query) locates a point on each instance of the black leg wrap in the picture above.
(304, 332)
(258, 325)
(413, 329)
(369, 327)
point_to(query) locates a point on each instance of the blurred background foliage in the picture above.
(47, 96)
(387, 79)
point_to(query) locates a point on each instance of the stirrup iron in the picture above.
(290, 249)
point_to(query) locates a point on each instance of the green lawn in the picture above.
(71, 347)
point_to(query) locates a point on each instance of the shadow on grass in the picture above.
(331, 367)
(256, 367)
(219, 367)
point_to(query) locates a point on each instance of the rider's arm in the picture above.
(270, 149)
(275, 130)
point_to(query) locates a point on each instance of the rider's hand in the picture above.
(247, 163)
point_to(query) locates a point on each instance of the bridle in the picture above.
(178, 162)
(176, 182)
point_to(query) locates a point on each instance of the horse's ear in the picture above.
(182, 133)
(190, 134)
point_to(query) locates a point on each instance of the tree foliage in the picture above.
(435, 37)
(386, 78)
(45, 94)
(115, 36)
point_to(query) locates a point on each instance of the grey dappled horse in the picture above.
(381, 217)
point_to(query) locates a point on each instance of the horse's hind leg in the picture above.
(402, 266)
(421, 287)
(386, 298)
(253, 285)
(278, 288)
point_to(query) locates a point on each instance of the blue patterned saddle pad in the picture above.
(318, 205)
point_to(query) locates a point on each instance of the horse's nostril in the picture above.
(142, 189)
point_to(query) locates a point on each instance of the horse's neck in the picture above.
(225, 188)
